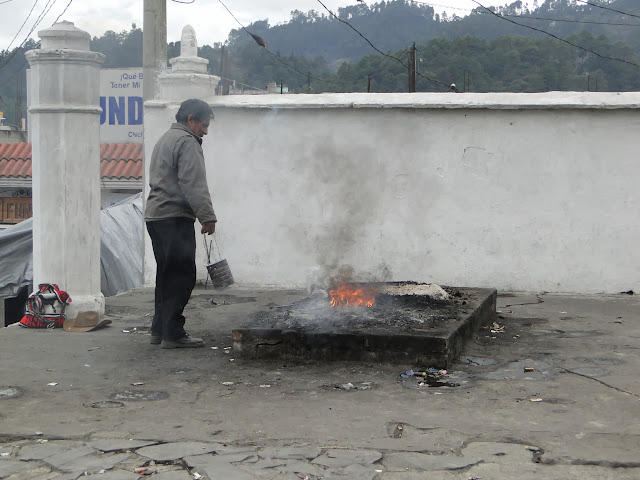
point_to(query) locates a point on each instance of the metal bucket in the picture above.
(220, 274)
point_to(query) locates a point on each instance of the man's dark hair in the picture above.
(195, 107)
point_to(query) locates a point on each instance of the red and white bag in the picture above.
(45, 307)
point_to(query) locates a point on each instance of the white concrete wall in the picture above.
(515, 191)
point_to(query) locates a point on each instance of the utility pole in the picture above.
(221, 63)
(18, 113)
(281, 87)
(368, 83)
(154, 45)
(226, 73)
(412, 68)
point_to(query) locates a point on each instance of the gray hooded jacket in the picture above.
(178, 178)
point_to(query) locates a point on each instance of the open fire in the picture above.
(409, 323)
(345, 294)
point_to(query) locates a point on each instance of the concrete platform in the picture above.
(89, 402)
(413, 329)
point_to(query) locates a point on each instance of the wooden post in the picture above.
(412, 68)
(154, 45)
(226, 73)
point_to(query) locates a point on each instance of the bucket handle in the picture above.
(208, 247)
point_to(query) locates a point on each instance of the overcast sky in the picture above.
(210, 20)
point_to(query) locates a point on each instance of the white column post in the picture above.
(65, 113)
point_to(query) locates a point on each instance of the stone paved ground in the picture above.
(120, 404)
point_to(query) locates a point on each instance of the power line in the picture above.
(63, 12)
(23, 24)
(558, 38)
(6, 1)
(14, 74)
(377, 49)
(442, 6)
(607, 8)
(263, 44)
(37, 22)
(571, 21)
(386, 66)
(243, 84)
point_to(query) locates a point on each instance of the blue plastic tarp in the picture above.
(121, 251)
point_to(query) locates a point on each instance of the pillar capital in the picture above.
(64, 35)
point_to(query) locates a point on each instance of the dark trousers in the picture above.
(174, 246)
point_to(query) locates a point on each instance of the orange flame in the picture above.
(352, 296)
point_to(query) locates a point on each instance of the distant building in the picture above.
(120, 170)
(9, 134)
(272, 87)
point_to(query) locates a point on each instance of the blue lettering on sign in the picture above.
(135, 110)
(116, 110)
(103, 106)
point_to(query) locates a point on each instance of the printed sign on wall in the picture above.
(121, 103)
(15, 210)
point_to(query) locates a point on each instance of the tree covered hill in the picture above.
(396, 24)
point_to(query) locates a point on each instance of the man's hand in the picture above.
(208, 227)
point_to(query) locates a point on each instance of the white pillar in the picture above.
(65, 115)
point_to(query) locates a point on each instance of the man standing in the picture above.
(179, 194)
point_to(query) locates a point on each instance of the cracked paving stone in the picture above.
(344, 458)
(286, 476)
(550, 472)
(174, 451)
(271, 468)
(41, 451)
(114, 444)
(66, 460)
(226, 449)
(497, 452)
(39, 473)
(267, 463)
(407, 475)
(353, 472)
(421, 439)
(175, 475)
(247, 458)
(116, 474)
(94, 463)
(216, 467)
(605, 450)
(9, 467)
(42, 473)
(421, 461)
(302, 453)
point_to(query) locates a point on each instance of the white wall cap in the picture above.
(64, 35)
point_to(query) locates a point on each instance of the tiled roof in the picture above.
(121, 160)
(118, 161)
(15, 160)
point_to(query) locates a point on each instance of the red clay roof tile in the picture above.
(117, 160)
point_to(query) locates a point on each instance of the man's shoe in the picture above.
(155, 340)
(183, 342)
